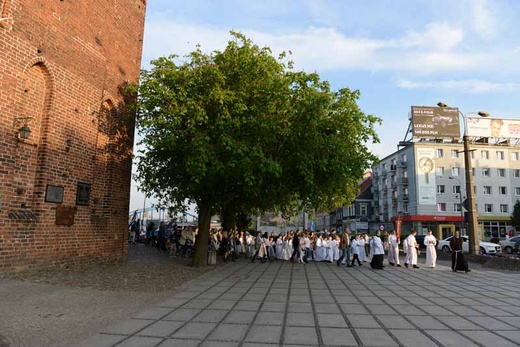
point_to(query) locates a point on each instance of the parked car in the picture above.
(485, 247)
(509, 245)
(442, 120)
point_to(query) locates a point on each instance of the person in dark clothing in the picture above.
(258, 246)
(228, 246)
(458, 259)
(296, 246)
(161, 237)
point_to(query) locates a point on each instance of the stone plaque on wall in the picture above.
(54, 194)
(65, 215)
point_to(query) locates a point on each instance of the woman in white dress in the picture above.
(431, 254)
(393, 249)
(329, 253)
(286, 248)
(361, 249)
(279, 247)
(320, 250)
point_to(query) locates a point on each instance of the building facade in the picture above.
(423, 185)
(65, 158)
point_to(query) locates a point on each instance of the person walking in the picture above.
(357, 248)
(458, 259)
(296, 246)
(344, 246)
(411, 256)
(258, 246)
(378, 251)
(393, 249)
(431, 254)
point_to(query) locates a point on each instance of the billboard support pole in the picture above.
(472, 225)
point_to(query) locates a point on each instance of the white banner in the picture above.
(493, 127)
(425, 168)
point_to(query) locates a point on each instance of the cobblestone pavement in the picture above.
(57, 307)
(320, 304)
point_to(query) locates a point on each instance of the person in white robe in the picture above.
(378, 251)
(336, 248)
(393, 249)
(431, 254)
(279, 247)
(362, 249)
(356, 249)
(320, 250)
(287, 251)
(411, 256)
(327, 244)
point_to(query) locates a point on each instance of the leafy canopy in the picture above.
(242, 130)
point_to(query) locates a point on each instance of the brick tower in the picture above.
(64, 188)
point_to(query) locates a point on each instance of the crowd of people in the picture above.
(349, 249)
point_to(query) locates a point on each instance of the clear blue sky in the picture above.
(397, 53)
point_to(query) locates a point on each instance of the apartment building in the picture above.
(423, 185)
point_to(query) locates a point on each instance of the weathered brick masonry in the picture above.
(62, 65)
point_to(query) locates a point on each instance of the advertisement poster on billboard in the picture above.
(433, 121)
(493, 127)
(426, 188)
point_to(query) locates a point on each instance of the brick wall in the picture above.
(62, 65)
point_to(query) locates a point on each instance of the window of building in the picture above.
(440, 153)
(486, 172)
(487, 190)
(441, 189)
(502, 190)
(454, 153)
(405, 208)
(516, 173)
(500, 155)
(456, 189)
(455, 171)
(441, 207)
(514, 156)
(403, 158)
(472, 171)
(457, 207)
(501, 172)
(517, 191)
(484, 154)
(363, 209)
(488, 208)
(440, 171)
(504, 208)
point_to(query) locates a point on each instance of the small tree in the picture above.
(515, 217)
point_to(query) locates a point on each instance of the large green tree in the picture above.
(240, 130)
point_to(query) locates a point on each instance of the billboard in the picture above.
(493, 127)
(433, 121)
(425, 171)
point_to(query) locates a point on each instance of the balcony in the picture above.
(393, 168)
(404, 181)
(394, 185)
(405, 197)
(383, 173)
(403, 164)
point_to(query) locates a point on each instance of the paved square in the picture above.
(321, 304)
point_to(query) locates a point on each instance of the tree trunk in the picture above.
(228, 218)
(200, 257)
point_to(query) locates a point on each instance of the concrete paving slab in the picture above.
(301, 335)
(337, 337)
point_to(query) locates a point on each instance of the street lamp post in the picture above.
(474, 245)
(460, 198)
